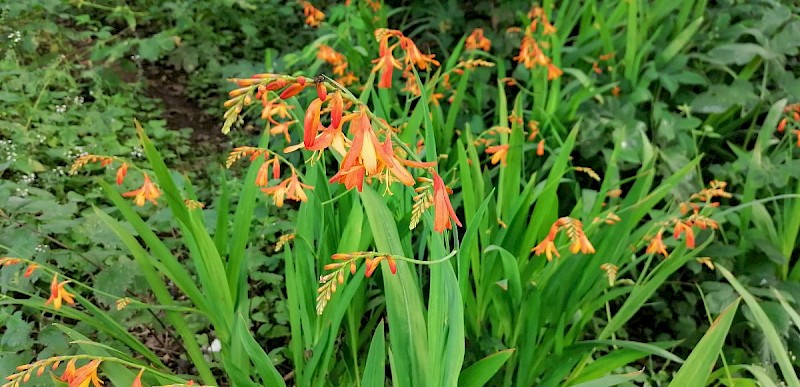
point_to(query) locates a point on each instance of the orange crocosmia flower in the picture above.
(291, 189)
(58, 294)
(548, 247)
(443, 211)
(680, 228)
(148, 191)
(499, 153)
(332, 137)
(313, 16)
(121, 172)
(540, 148)
(282, 127)
(394, 164)
(352, 177)
(782, 125)
(262, 177)
(553, 72)
(414, 57)
(476, 41)
(657, 245)
(386, 64)
(364, 149)
(348, 79)
(581, 243)
(311, 122)
(84, 375)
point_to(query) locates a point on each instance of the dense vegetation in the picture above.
(255, 192)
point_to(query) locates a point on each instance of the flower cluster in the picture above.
(684, 226)
(791, 111)
(347, 262)
(368, 152)
(387, 63)
(146, 192)
(476, 41)
(338, 62)
(530, 51)
(573, 228)
(314, 16)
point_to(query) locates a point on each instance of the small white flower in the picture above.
(78, 100)
(215, 346)
(61, 108)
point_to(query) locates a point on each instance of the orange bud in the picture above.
(238, 92)
(782, 125)
(796, 116)
(121, 172)
(292, 90)
(322, 92)
(246, 82)
(275, 85)
(301, 81)
(276, 168)
(540, 148)
(337, 106)
(392, 265)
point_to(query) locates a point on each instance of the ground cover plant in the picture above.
(559, 193)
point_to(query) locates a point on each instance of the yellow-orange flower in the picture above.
(443, 211)
(313, 16)
(290, 188)
(414, 57)
(148, 191)
(548, 248)
(82, 376)
(499, 153)
(31, 268)
(121, 172)
(476, 41)
(58, 294)
(137, 382)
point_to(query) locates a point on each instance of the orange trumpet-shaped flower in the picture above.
(414, 57)
(148, 191)
(443, 211)
(121, 172)
(58, 294)
(282, 127)
(351, 178)
(553, 72)
(499, 153)
(291, 189)
(82, 376)
(312, 122)
(386, 65)
(680, 228)
(364, 149)
(656, 245)
(548, 247)
(476, 41)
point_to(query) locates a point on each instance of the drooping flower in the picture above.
(31, 268)
(499, 153)
(681, 228)
(656, 245)
(443, 211)
(476, 41)
(121, 172)
(574, 230)
(386, 64)
(291, 188)
(414, 57)
(58, 294)
(148, 191)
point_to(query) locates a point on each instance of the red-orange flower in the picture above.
(148, 191)
(540, 148)
(476, 41)
(351, 178)
(656, 245)
(31, 268)
(443, 211)
(58, 294)
(386, 64)
(499, 153)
